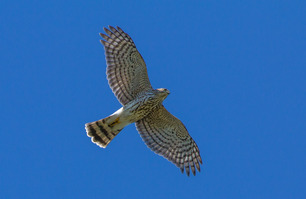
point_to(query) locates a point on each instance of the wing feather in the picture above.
(167, 136)
(126, 70)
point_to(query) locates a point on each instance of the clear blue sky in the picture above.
(237, 75)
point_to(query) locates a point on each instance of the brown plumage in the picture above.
(127, 76)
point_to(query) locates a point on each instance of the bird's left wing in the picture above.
(167, 136)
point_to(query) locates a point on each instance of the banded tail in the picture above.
(103, 131)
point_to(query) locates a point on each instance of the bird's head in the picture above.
(163, 92)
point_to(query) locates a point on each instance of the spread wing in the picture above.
(126, 70)
(167, 136)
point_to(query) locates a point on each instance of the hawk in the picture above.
(127, 76)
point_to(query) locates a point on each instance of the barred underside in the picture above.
(167, 136)
(126, 70)
(127, 76)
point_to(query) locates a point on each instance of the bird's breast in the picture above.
(139, 108)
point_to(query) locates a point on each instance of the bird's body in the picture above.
(133, 111)
(140, 107)
(162, 132)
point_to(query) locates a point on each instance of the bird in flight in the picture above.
(127, 76)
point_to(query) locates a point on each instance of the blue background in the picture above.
(236, 71)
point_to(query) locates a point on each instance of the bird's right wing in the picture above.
(167, 136)
(126, 69)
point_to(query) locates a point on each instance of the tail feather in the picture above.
(100, 132)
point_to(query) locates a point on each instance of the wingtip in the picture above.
(198, 167)
(105, 29)
(112, 28)
(104, 36)
(119, 29)
(194, 172)
(103, 42)
(182, 169)
(200, 160)
(187, 171)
